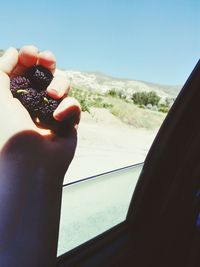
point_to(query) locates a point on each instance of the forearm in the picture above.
(30, 200)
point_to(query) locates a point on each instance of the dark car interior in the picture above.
(162, 227)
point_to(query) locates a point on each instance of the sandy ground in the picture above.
(105, 143)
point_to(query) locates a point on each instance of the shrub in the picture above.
(145, 98)
(113, 93)
(163, 109)
(89, 98)
(83, 98)
(84, 105)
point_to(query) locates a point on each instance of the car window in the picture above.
(92, 206)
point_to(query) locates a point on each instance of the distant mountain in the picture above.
(103, 83)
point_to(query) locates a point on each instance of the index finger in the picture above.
(47, 59)
(27, 57)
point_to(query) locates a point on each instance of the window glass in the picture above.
(95, 205)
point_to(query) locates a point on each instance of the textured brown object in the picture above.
(30, 89)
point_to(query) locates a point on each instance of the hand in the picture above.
(16, 124)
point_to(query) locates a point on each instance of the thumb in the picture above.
(9, 60)
(7, 63)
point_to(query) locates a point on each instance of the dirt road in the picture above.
(105, 143)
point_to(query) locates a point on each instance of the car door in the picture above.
(162, 225)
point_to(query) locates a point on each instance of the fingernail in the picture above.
(53, 91)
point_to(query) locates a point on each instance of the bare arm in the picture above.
(30, 199)
(32, 168)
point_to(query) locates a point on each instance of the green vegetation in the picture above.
(89, 98)
(163, 108)
(145, 98)
(151, 100)
(133, 115)
(113, 93)
(143, 110)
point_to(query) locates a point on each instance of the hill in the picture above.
(103, 83)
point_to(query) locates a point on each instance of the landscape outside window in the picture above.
(120, 120)
(126, 60)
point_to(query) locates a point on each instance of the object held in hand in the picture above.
(30, 89)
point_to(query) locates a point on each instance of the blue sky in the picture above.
(156, 41)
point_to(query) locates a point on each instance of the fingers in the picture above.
(9, 60)
(68, 109)
(16, 63)
(27, 57)
(59, 86)
(47, 60)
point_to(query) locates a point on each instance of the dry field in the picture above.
(105, 143)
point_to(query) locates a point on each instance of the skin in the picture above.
(33, 162)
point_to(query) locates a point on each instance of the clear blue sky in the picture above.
(156, 41)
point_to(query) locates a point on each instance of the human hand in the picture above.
(16, 123)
